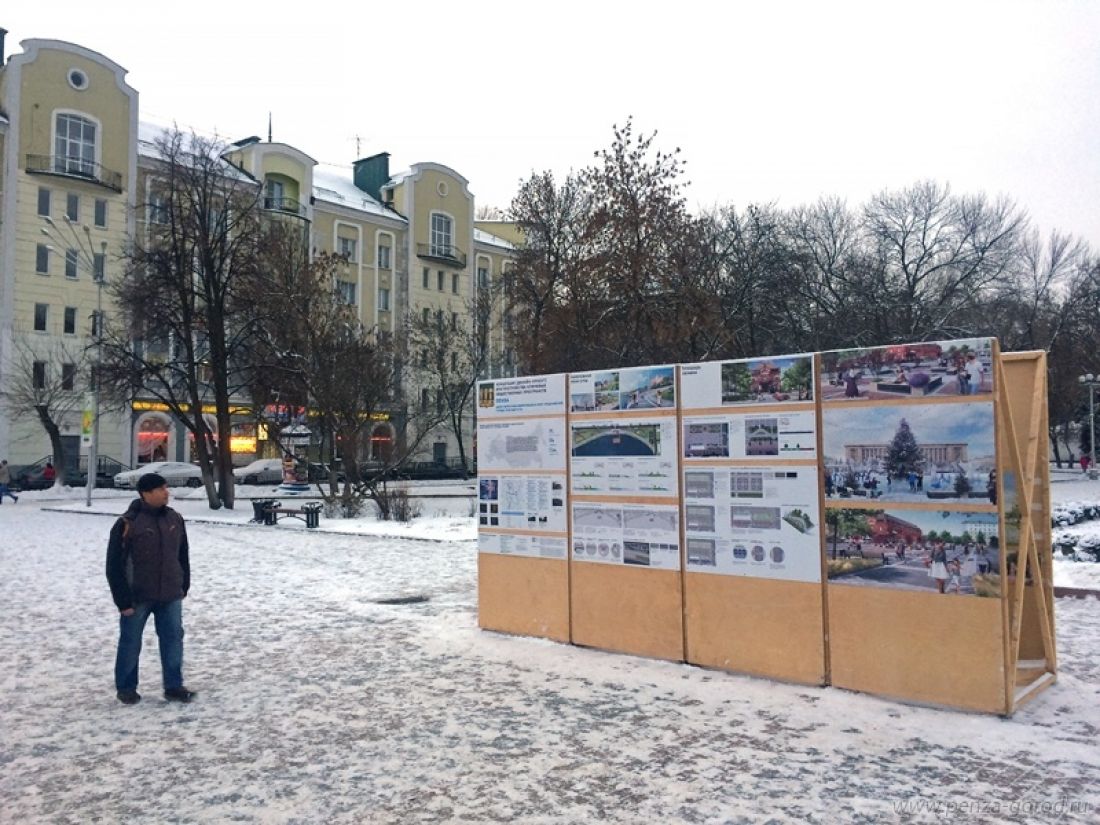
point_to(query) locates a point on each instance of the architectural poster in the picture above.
(910, 474)
(754, 520)
(624, 456)
(634, 535)
(521, 454)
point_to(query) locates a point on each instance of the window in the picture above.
(347, 248)
(383, 299)
(427, 275)
(482, 277)
(439, 319)
(74, 147)
(100, 261)
(346, 291)
(71, 260)
(68, 376)
(454, 282)
(273, 194)
(439, 401)
(158, 208)
(454, 320)
(97, 323)
(100, 213)
(427, 315)
(72, 207)
(41, 315)
(43, 201)
(38, 375)
(454, 361)
(383, 257)
(425, 397)
(441, 234)
(439, 280)
(70, 320)
(42, 259)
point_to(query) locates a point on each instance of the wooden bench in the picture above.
(310, 513)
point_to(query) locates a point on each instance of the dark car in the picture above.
(452, 468)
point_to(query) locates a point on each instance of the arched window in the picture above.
(441, 234)
(75, 145)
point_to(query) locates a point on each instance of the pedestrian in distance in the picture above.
(149, 572)
(5, 482)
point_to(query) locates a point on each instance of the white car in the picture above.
(261, 471)
(176, 473)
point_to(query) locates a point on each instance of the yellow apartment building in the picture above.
(76, 182)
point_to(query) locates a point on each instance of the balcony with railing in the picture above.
(443, 253)
(74, 167)
(287, 206)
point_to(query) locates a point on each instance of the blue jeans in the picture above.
(168, 618)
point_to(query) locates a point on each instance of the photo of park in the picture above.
(617, 440)
(938, 551)
(768, 380)
(647, 388)
(942, 453)
(932, 369)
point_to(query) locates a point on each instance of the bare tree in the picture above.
(45, 381)
(182, 323)
(451, 355)
(312, 348)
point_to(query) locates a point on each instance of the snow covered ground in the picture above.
(318, 703)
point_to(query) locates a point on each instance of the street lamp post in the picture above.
(85, 255)
(1092, 382)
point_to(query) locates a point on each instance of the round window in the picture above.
(77, 79)
(441, 188)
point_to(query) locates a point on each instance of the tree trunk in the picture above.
(56, 446)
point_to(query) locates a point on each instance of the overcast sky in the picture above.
(769, 102)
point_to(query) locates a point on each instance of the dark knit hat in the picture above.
(150, 481)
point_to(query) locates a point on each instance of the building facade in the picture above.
(78, 179)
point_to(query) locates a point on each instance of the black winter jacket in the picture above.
(147, 556)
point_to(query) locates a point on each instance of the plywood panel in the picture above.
(628, 610)
(758, 626)
(523, 595)
(921, 647)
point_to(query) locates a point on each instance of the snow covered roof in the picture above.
(149, 131)
(492, 240)
(333, 184)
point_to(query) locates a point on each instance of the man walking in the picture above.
(5, 482)
(149, 573)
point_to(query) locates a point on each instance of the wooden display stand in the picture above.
(525, 596)
(754, 624)
(1030, 651)
(988, 645)
(520, 591)
(982, 654)
(615, 605)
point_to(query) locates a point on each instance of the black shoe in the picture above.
(180, 694)
(129, 697)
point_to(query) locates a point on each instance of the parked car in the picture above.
(176, 473)
(260, 471)
(451, 468)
